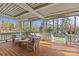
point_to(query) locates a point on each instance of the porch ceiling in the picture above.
(37, 10)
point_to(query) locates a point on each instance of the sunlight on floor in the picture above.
(66, 50)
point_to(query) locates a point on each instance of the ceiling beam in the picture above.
(74, 11)
(31, 10)
(5, 7)
(50, 5)
(10, 10)
(20, 13)
(38, 9)
(1, 14)
(8, 16)
(2, 6)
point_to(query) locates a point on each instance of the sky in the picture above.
(77, 20)
(38, 22)
(13, 21)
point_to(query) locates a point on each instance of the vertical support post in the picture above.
(46, 29)
(53, 27)
(20, 27)
(62, 24)
(30, 26)
(53, 24)
(75, 24)
(57, 25)
(23, 25)
(43, 30)
(43, 26)
(46, 26)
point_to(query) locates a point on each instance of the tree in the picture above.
(34, 29)
(26, 28)
(66, 24)
(11, 26)
(49, 30)
(41, 28)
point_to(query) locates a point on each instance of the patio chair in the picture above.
(33, 43)
(13, 38)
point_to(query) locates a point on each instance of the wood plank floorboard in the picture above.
(45, 49)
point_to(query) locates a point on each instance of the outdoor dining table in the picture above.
(34, 37)
(25, 42)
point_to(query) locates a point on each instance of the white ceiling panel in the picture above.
(38, 10)
(58, 8)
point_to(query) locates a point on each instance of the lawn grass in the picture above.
(59, 40)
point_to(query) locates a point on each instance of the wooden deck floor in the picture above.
(45, 49)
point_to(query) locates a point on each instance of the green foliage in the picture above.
(26, 29)
(34, 29)
(7, 26)
(66, 20)
(41, 28)
(49, 29)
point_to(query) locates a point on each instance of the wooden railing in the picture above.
(4, 37)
